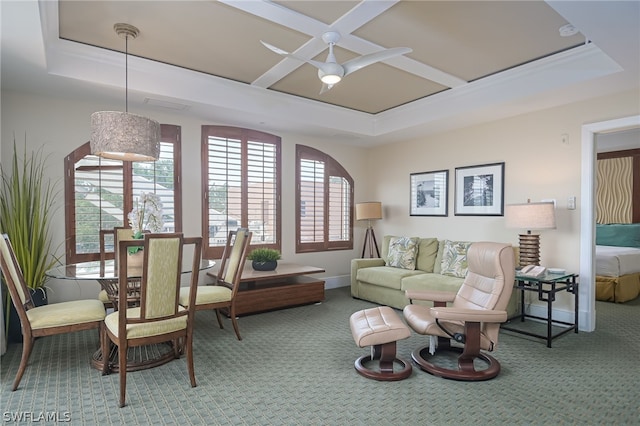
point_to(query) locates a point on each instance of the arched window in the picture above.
(99, 193)
(324, 202)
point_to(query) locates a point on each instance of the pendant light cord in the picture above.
(126, 73)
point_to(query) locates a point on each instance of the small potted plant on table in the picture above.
(264, 259)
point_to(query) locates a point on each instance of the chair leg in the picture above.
(189, 350)
(27, 345)
(104, 348)
(234, 321)
(177, 347)
(219, 318)
(123, 348)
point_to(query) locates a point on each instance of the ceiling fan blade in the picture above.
(362, 61)
(279, 51)
(273, 48)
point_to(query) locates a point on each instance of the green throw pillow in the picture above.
(454, 258)
(403, 252)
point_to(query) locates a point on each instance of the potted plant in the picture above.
(264, 259)
(27, 201)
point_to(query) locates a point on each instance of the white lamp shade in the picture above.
(531, 216)
(124, 136)
(369, 210)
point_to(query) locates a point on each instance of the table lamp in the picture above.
(369, 211)
(530, 216)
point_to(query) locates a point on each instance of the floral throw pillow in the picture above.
(403, 252)
(454, 258)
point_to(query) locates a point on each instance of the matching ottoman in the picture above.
(380, 328)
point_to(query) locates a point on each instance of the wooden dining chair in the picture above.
(106, 234)
(47, 320)
(221, 294)
(109, 292)
(159, 318)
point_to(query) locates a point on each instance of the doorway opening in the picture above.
(587, 216)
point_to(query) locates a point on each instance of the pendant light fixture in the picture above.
(121, 135)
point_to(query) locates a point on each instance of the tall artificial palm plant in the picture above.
(27, 202)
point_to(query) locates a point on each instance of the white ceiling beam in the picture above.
(279, 15)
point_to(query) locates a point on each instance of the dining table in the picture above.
(105, 273)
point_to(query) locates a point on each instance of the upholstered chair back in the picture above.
(236, 255)
(161, 279)
(489, 281)
(13, 274)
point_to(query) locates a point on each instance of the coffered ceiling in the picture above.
(205, 58)
(453, 42)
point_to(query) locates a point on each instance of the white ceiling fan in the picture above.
(331, 72)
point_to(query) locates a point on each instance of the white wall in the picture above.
(537, 166)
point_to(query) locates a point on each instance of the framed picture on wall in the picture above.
(480, 190)
(429, 193)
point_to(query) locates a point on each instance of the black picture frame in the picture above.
(429, 193)
(479, 190)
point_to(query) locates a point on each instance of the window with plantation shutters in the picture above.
(324, 202)
(99, 193)
(241, 184)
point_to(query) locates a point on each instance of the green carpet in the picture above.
(295, 367)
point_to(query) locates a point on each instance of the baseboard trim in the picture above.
(336, 282)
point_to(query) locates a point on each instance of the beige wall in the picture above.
(62, 125)
(537, 166)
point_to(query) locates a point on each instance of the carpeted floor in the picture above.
(295, 367)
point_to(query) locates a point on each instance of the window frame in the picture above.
(244, 136)
(168, 134)
(332, 168)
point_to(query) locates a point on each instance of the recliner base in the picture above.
(466, 370)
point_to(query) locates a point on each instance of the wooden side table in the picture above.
(546, 286)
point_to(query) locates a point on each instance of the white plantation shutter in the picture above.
(158, 177)
(339, 208)
(242, 186)
(261, 191)
(311, 201)
(98, 200)
(225, 184)
(324, 199)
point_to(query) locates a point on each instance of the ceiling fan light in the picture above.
(330, 78)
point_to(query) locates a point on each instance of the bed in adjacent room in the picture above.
(617, 262)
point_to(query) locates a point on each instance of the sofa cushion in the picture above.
(432, 282)
(454, 258)
(403, 252)
(384, 247)
(385, 276)
(437, 264)
(427, 251)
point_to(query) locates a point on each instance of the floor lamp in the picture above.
(530, 216)
(369, 211)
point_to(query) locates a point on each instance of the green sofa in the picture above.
(372, 280)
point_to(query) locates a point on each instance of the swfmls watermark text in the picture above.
(36, 416)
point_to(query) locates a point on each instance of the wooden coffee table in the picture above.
(289, 285)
